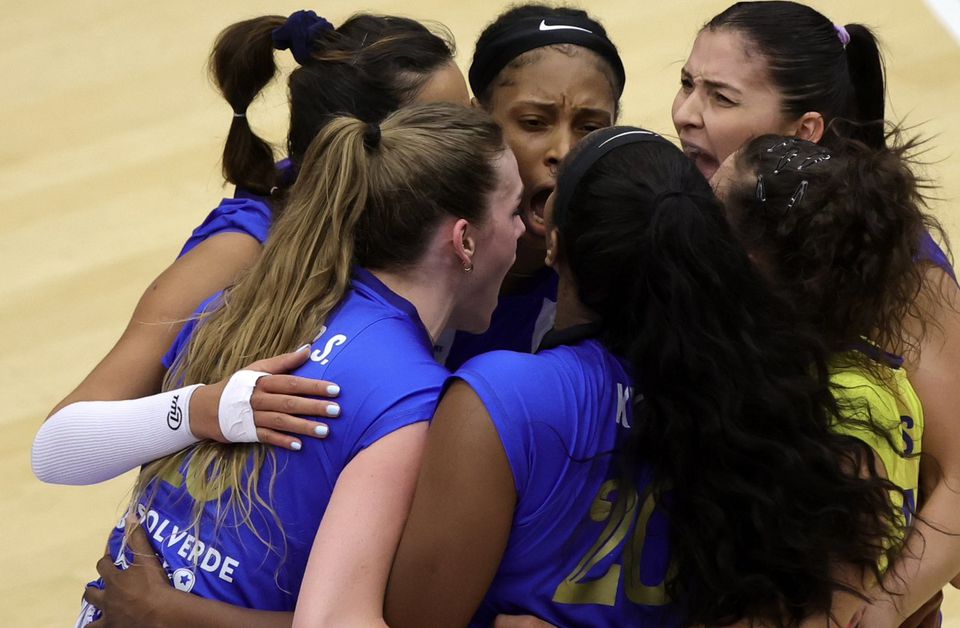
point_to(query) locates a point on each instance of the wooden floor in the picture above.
(111, 136)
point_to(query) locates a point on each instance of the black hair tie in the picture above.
(371, 136)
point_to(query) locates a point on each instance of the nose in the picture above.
(561, 142)
(687, 110)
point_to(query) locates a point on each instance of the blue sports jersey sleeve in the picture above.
(233, 215)
(931, 252)
(528, 406)
(383, 371)
(572, 558)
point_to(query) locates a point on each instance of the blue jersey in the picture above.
(573, 558)
(375, 346)
(233, 215)
(518, 323)
(931, 252)
(247, 212)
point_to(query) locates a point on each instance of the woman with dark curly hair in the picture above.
(785, 68)
(674, 454)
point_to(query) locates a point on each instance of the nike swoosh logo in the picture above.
(560, 27)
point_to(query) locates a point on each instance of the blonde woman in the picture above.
(391, 234)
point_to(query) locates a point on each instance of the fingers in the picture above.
(276, 429)
(282, 363)
(139, 544)
(93, 595)
(300, 386)
(106, 566)
(264, 402)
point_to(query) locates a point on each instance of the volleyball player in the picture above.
(368, 67)
(548, 76)
(547, 87)
(667, 457)
(390, 235)
(782, 67)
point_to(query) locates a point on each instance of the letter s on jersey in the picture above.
(322, 356)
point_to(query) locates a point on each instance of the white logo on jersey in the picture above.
(184, 579)
(321, 357)
(623, 402)
(560, 27)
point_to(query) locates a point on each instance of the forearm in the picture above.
(186, 610)
(92, 441)
(931, 554)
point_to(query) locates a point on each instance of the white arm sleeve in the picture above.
(91, 441)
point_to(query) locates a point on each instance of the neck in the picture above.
(432, 298)
(570, 310)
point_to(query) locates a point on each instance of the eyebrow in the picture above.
(710, 83)
(546, 104)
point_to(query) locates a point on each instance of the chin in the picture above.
(475, 326)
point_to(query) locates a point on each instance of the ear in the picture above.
(464, 244)
(553, 249)
(809, 127)
(475, 103)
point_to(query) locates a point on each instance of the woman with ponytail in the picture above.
(391, 233)
(784, 68)
(671, 456)
(368, 67)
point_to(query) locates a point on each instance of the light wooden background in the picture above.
(110, 136)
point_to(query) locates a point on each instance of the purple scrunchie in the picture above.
(842, 34)
(298, 33)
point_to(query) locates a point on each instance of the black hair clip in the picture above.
(798, 194)
(761, 191)
(371, 136)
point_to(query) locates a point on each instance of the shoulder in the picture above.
(510, 374)
(561, 392)
(250, 216)
(374, 349)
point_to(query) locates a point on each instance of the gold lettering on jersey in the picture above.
(620, 512)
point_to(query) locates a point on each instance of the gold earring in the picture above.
(468, 269)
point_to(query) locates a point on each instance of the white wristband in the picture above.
(91, 441)
(235, 412)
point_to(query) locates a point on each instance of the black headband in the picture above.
(537, 32)
(589, 152)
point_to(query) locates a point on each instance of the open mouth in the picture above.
(538, 202)
(706, 163)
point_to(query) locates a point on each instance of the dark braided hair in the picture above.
(367, 68)
(735, 420)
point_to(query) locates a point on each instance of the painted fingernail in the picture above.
(296, 446)
(304, 347)
(333, 390)
(333, 410)
(321, 431)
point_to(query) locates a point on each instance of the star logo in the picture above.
(184, 579)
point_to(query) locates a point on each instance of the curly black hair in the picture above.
(735, 420)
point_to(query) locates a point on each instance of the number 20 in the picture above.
(619, 514)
